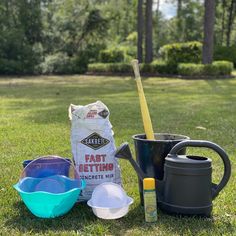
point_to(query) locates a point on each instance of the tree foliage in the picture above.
(53, 36)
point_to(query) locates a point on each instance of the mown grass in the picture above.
(34, 121)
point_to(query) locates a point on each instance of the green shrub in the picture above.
(190, 69)
(225, 53)
(17, 55)
(129, 53)
(132, 38)
(111, 55)
(162, 67)
(60, 63)
(91, 52)
(146, 68)
(26, 64)
(120, 67)
(214, 69)
(10, 67)
(79, 63)
(224, 67)
(97, 67)
(157, 67)
(190, 52)
(219, 68)
(56, 63)
(110, 67)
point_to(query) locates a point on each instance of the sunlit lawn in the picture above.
(34, 121)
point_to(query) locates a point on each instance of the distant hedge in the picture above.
(214, 69)
(155, 67)
(111, 55)
(190, 52)
(159, 67)
(225, 53)
(110, 67)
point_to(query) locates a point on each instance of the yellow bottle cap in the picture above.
(148, 183)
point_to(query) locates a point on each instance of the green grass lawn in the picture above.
(34, 121)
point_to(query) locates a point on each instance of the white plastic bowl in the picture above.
(109, 194)
(111, 212)
(109, 201)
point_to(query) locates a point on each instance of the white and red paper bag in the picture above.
(93, 146)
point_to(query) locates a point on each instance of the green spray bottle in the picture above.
(149, 196)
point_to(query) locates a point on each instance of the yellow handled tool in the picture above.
(147, 123)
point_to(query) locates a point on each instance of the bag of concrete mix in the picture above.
(93, 146)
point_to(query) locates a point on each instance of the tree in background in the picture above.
(179, 19)
(186, 25)
(192, 22)
(208, 42)
(225, 20)
(31, 20)
(231, 17)
(20, 36)
(36, 34)
(140, 31)
(74, 32)
(122, 18)
(148, 35)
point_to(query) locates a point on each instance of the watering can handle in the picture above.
(198, 143)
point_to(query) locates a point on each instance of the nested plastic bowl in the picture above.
(109, 201)
(52, 195)
(47, 166)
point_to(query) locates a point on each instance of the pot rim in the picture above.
(184, 137)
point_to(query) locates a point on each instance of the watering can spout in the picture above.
(124, 152)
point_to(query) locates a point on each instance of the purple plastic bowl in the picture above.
(46, 166)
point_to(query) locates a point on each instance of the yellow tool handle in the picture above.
(147, 123)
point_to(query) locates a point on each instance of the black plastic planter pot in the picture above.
(150, 154)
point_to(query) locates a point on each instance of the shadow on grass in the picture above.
(81, 220)
(48, 103)
(25, 221)
(219, 87)
(171, 224)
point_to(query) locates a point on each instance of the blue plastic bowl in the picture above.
(51, 196)
(47, 166)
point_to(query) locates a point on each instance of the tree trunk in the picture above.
(179, 8)
(230, 22)
(140, 31)
(179, 20)
(208, 42)
(223, 22)
(127, 17)
(158, 9)
(148, 38)
(157, 23)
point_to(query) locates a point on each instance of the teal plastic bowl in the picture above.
(51, 196)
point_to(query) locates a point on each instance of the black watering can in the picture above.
(187, 186)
